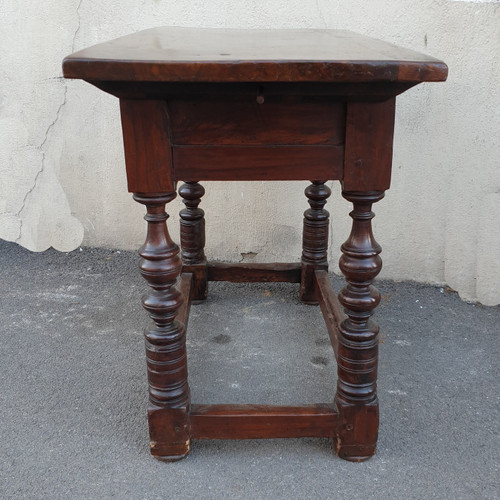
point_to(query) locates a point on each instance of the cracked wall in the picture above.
(34, 210)
(61, 161)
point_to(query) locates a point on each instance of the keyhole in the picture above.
(260, 95)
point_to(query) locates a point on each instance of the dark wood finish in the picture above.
(241, 272)
(251, 122)
(226, 55)
(148, 154)
(368, 156)
(200, 104)
(185, 288)
(165, 338)
(192, 224)
(262, 422)
(330, 307)
(314, 239)
(249, 91)
(252, 163)
(358, 335)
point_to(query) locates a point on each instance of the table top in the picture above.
(174, 54)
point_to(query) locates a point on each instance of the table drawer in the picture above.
(286, 121)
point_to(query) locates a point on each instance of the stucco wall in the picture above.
(61, 160)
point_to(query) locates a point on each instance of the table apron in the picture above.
(292, 139)
(250, 163)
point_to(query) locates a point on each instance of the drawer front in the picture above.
(288, 121)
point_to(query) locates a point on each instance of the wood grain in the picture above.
(357, 358)
(148, 154)
(236, 105)
(233, 92)
(330, 307)
(314, 239)
(192, 224)
(165, 338)
(262, 421)
(241, 272)
(251, 163)
(247, 122)
(224, 55)
(368, 146)
(185, 288)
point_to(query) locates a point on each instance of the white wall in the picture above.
(62, 180)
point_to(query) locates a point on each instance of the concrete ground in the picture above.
(73, 393)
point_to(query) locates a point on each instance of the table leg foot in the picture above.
(171, 458)
(356, 440)
(357, 361)
(169, 433)
(356, 454)
(314, 239)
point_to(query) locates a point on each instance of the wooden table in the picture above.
(239, 105)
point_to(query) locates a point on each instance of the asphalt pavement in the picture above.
(73, 389)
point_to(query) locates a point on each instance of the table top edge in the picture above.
(125, 59)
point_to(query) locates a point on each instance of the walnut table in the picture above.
(240, 105)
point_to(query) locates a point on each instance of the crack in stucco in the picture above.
(48, 130)
(42, 167)
(79, 19)
(320, 12)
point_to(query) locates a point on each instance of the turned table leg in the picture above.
(165, 338)
(192, 223)
(314, 239)
(356, 397)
